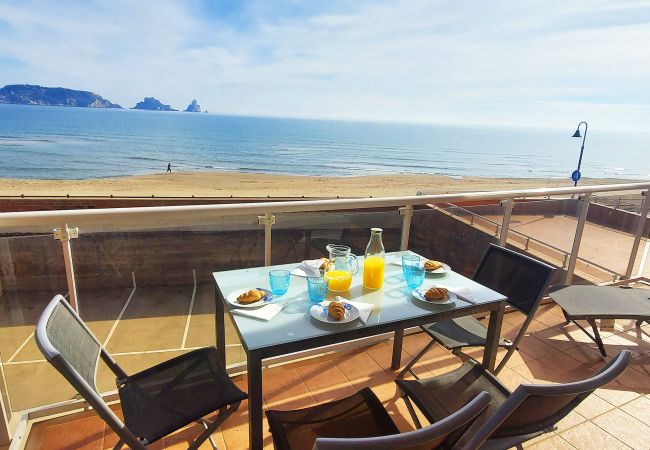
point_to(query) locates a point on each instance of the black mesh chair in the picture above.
(361, 422)
(156, 401)
(511, 418)
(522, 279)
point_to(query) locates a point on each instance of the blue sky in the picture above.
(547, 63)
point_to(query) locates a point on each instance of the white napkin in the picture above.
(463, 293)
(308, 268)
(266, 312)
(364, 308)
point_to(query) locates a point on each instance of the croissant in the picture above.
(324, 264)
(432, 265)
(336, 310)
(436, 293)
(251, 296)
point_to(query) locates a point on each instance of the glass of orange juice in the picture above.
(339, 280)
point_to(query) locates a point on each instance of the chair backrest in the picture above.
(519, 277)
(532, 409)
(69, 345)
(432, 436)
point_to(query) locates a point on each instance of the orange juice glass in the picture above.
(373, 272)
(339, 280)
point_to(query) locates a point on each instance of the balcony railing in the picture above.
(108, 254)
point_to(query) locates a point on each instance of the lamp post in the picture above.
(575, 176)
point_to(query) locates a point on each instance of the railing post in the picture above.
(507, 206)
(63, 235)
(640, 226)
(407, 214)
(582, 219)
(268, 220)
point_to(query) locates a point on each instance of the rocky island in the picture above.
(193, 107)
(30, 94)
(153, 104)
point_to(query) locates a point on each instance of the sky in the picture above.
(545, 63)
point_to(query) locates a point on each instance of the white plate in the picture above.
(232, 298)
(419, 294)
(319, 312)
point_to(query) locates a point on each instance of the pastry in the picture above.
(324, 263)
(251, 296)
(432, 265)
(336, 310)
(436, 293)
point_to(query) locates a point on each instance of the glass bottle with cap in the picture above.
(373, 263)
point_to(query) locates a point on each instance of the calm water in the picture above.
(58, 143)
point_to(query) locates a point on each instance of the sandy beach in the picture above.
(226, 184)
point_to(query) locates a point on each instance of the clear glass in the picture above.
(414, 275)
(317, 288)
(279, 281)
(374, 264)
(410, 259)
(341, 267)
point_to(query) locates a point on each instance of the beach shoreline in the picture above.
(235, 184)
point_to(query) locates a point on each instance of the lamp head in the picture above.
(577, 133)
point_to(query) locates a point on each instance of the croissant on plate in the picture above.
(432, 265)
(336, 310)
(251, 296)
(436, 293)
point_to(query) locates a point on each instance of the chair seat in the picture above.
(360, 415)
(440, 396)
(460, 332)
(170, 395)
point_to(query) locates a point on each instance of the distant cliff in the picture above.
(152, 104)
(193, 107)
(29, 94)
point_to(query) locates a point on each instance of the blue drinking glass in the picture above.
(317, 288)
(279, 281)
(409, 260)
(414, 276)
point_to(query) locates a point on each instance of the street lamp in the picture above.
(575, 176)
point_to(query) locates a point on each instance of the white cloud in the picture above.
(548, 63)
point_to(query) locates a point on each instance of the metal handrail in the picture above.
(77, 216)
(533, 239)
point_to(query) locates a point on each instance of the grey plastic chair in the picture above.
(156, 401)
(511, 418)
(361, 422)
(519, 277)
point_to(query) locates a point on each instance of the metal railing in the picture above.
(525, 240)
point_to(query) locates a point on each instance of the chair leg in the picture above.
(417, 357)
(207, 433)
(414, 416)
(118, 446)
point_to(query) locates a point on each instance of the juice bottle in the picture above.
(373, 264)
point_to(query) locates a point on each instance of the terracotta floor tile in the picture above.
(554, 442)
(593, 406)
(639, 408)
(325, 381)
(83, 434)
(282, 386)
(626, 428)
(588, 436)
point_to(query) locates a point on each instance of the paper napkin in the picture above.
(308, 268)
(364, 308)
(463, 293)
(266, 312)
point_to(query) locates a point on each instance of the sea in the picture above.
(45, 142)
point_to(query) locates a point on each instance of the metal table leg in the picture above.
(397, 349)
(255, 423)
(492, 338)
(220, 329)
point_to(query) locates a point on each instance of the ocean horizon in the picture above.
(46, 142)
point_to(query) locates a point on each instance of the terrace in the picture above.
(141, 279)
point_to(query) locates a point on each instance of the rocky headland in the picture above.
(30, 94)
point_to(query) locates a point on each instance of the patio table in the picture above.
(294, 330)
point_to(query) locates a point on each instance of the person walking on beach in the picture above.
(169, 168)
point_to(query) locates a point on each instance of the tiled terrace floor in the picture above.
(615, 417)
